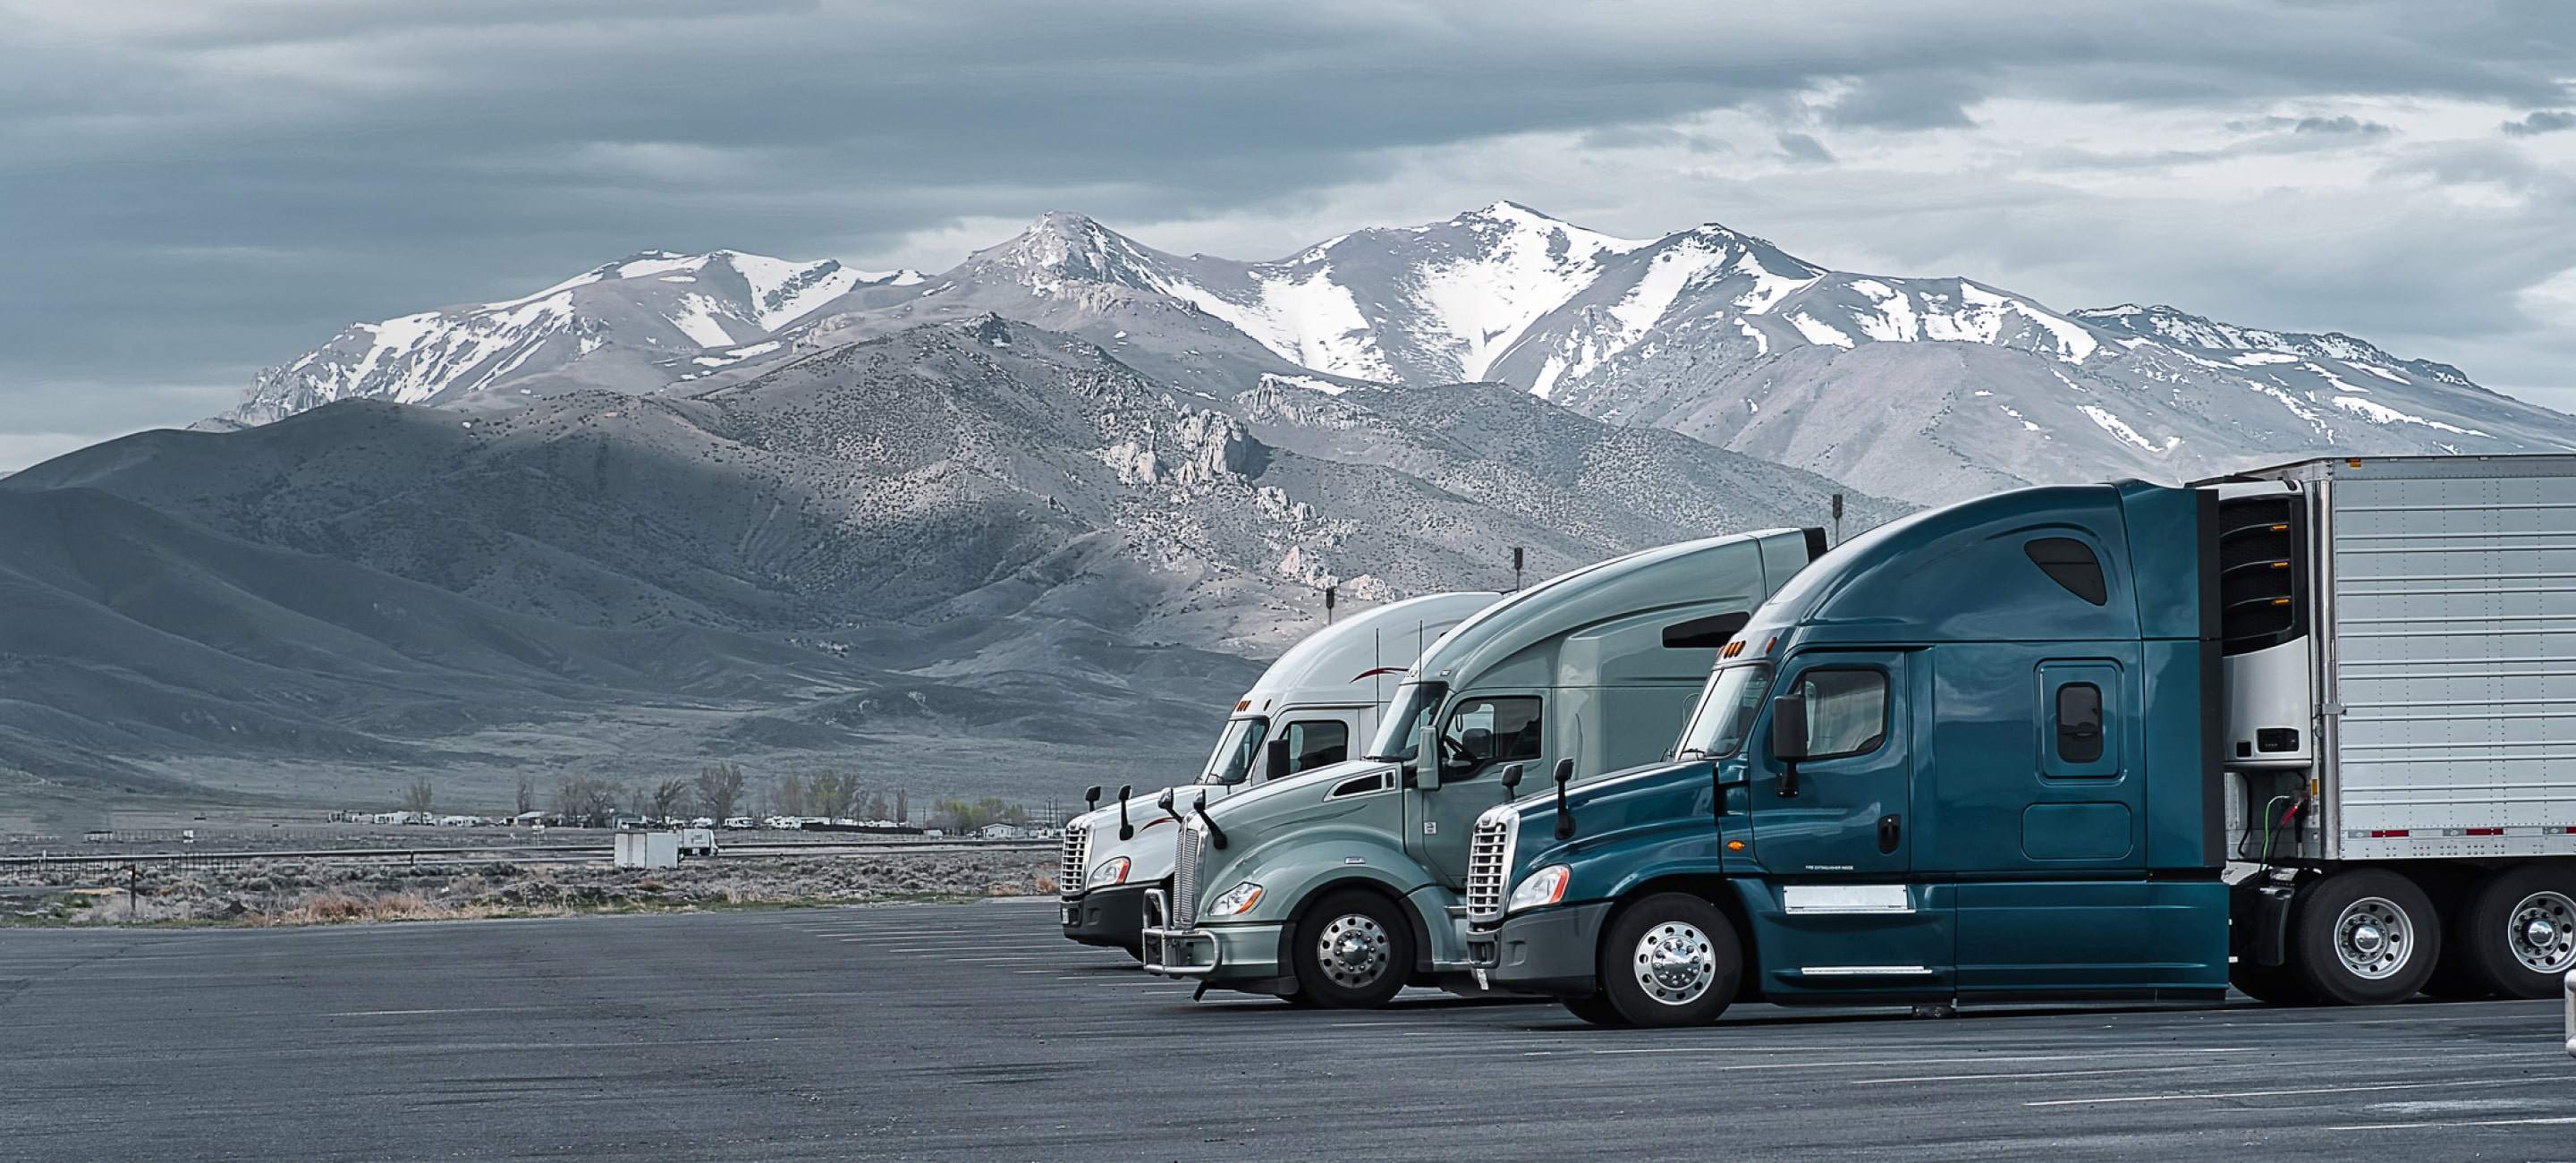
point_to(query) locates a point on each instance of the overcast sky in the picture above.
(190, 189)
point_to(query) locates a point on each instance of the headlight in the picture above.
(1236, 901)
(1543, 887)
(1111, 871)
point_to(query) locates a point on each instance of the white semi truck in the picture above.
(1318, 705)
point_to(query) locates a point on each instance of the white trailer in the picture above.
(2400, 669)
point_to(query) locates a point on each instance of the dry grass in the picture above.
(336, 908)
(324, 892)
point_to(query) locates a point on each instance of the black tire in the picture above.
(1596, 1009)
(2270, 984)
(1697, 984)
(1373, 946)
(2523, 911)
(2382, 920)
(2451, 891)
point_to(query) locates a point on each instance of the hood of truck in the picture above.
(1613, 811)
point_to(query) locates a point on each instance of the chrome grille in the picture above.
(1489, 860)
(1077, 860)
(1185, 877)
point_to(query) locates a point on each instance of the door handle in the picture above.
(1890, 832)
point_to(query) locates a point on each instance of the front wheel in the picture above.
(1353, 951)
(2366, 936)
(1671, 959)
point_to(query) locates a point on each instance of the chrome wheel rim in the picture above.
(1353, 951)
(2542, 932)
(2373, 938)
(1674, 963)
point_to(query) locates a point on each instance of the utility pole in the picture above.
(1838, 518)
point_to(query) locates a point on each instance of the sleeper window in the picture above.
(2070, 563)
(2079, 722)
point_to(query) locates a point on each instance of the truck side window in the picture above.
(1846, 711)
(1485, 731)
(1318, 743)
(2070, 563)
(2079, 722)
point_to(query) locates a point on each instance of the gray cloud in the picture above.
(2541, 121)
(2341, 125)
(198, 189)
(1799, 147)
(1905, 100)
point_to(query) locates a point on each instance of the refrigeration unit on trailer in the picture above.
(1340, 886)
(1316, 706)
(2311, 728)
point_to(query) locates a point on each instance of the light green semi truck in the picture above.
(1341, 885)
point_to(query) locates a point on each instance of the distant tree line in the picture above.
(721, 791)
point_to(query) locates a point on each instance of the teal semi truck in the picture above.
(2311, 728)
(1340, 886)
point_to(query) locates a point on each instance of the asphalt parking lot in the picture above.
(975, 1032)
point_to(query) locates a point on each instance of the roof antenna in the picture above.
(1516, 569)
(1838, 518)
(1328, 605)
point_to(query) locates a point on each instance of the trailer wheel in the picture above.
(1596, 1009)
(2365, 936)
(2517, 937)
(1671, 959)
(1353, 951)
(2451, 890)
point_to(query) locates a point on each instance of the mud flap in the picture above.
(2258, 932)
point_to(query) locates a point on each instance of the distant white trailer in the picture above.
(697, 842)
(648, 850)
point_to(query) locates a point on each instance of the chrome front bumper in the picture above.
(1175, 952)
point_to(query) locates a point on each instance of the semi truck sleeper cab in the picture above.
(2303, 728)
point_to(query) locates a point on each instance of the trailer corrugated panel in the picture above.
(2453, 617)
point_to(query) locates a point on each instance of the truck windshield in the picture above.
(1399, 739)
(1726, 711)
(1235, 751)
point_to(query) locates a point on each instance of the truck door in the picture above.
(1482, 735)
(1837, 841)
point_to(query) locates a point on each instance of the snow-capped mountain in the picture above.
(1923, 388)
(1926, 389)
(634, 324)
